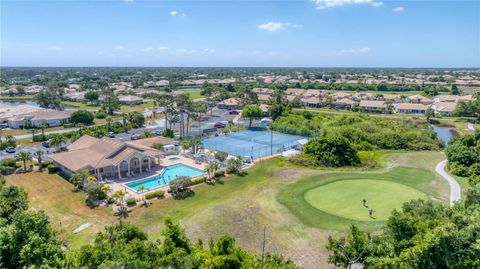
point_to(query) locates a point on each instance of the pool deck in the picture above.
(121, 183)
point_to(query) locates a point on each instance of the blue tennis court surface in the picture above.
(256, 144)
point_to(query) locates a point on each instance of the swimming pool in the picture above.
(174, 159)
(169, 173)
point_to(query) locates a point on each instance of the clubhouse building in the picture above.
(109, 158)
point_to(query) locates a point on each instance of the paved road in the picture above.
(47, 133)
(454, 187)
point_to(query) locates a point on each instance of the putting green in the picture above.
(344, 198)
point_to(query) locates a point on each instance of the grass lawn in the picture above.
(334, 201)
(344, 198)
(193, 92)
(241, 207)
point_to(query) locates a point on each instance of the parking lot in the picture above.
(207, 122)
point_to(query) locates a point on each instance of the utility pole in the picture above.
(263, 246)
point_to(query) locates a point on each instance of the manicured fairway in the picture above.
(344, 198)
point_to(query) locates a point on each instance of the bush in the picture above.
(474, 170)
(459, 169)
(158, 146)
(68, 125)
(46, 163)
(303, 160)
(131, 201)
(82, 116)
(168, 133)
(332, 150)
(8, 166)
(52, 168)
(100, 115)
(198, 180)
(219, 173)
(221, 156)
(155, 194)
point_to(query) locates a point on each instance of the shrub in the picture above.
(82, 116)
(303, 160)
(198, 180)
(7, 166)
(6, 170)
(100, 115)
(158, 146)
(168, 133)
(459, 169)
(221, 156)
(474, 170)
(155, 194)
(131, 201)
(52, 168)
(220, 173)
(46, 163)
(332, 150)
(67, 125)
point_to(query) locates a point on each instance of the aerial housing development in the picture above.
(240, 134)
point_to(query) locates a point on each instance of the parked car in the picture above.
(158, 132)
(10, 150)
(134, 137)
(46, 144)
(234, 112)
(220, 125)
(111, 134)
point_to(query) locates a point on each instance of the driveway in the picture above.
(454, 187)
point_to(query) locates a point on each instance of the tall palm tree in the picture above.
(109, 122)
(120, 195)
(24, 156)
(38, 154)
(142, 189)
(33, 134)
(57, 141)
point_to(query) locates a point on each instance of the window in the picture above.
(100, 170)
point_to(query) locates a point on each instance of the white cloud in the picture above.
(55, 48)
(127, 0)
(323, 4)
(277, 26)
(174, 13)
(147, 49)
(186, 51)
(209, 50)
(118, 48)
(398, 9)
(353, 51)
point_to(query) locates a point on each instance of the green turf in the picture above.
(294, 196)
(345, 198)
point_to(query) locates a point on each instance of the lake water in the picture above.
(443, 133)
(27, 102)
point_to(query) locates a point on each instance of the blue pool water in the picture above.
(173, 159)
(169, 173)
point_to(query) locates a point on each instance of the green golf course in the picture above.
(334, 201)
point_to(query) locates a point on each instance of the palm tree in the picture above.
(57, 140)
(142, 189)
(24, 156)
(78, 179)
(109, 122)
(38, 154)
(120, 195)
(33, 134)
(211, 169)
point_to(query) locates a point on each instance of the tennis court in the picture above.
(256, 144)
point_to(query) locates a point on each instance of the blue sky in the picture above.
(319, 33)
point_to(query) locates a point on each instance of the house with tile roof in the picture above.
(108, 158)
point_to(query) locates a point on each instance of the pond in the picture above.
(444, 133)
(27, 102)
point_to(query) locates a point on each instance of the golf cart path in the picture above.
(454, 187)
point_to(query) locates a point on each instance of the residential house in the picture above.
(419, 99)
(230, 103)
(373, 106)
(444, 108)
(343, 103)
(295, 92)
(265, 109)
(130, 100)
(411, 108)
(313, 101)
(262, 91)
(23, 116)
